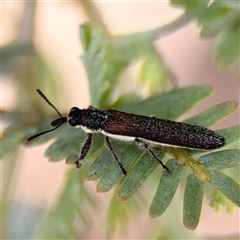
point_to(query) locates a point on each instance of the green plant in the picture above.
(220, 20)
(105, 61)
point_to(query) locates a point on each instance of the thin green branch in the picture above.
(162, 31)
(169, 28)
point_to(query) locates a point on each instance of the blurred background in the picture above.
(52, 30)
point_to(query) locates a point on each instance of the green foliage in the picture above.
(105, 60)
(193, 197)
(140, 165)
(99, 59)
(219, 19)
(226, 185)
(166, 189)
(60, 216)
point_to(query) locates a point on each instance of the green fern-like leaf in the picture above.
(105, 60)
(193, 198)
(166, 189)
(56, 224)
(104, 70)
(219, 19)
(139, 164)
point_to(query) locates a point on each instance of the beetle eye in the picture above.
(72, 122)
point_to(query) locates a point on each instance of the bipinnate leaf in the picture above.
(99, 166)
(142, 169)
(99, 60)
(164, 105)
(62, 147)
(213, 115)
(227, 186)
(219, 19)
(104, 68)
(166, 189)
(129, 155)
(192, 204)
(221, 159)
(231, 134)
(86, 36)
(56, 224)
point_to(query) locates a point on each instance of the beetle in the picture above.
(143, 130)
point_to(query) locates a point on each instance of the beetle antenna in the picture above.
(48, 102)
(39, 134)
(56, 123)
